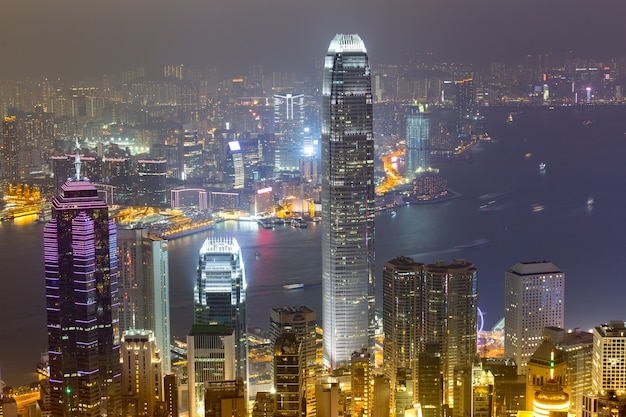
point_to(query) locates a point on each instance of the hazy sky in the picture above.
(82, 37)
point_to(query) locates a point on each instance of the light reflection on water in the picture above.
(587, 245)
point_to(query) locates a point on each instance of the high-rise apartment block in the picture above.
(430, 325)
(534, 299)
(403, 314)
(451, 306)
(347, 201)
(82, 308)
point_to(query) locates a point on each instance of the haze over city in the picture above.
(70, 38)
(201, 165)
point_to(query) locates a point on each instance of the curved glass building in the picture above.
(217, 345)
(347, 201)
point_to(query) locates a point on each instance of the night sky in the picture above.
(71, 38)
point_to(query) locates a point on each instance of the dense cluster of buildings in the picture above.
(107, 285)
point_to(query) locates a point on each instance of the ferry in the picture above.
(295, 286)
(299, 223)
(537, 208)
(542, 167)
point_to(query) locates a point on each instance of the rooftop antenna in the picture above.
(77, 160)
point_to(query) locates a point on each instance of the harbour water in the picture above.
(587, 242)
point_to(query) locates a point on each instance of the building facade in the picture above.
(347, 201)
(142, 375)
(82, 306)
(534, 296)
(608, 372)
(403, 315)
(417, 140)
(451, 316)
(289, 130)
(144, 287)
(220, 302)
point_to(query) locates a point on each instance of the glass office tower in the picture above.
(417, 140)
(347, 201)
(218, 340)
(81, 298)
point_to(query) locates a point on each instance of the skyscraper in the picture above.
(451, 315)
(347, 201)
(10, 147)
(289, 130)
(288, 375)
(403, 314)
(533, 299)
(417, 139)
(301, 321)
(609, 354)
(465, 99)
(234, 170)
(81, 298)
(220, 311)
(142, 373)
(144, 287)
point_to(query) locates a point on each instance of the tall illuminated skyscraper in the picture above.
(533, 299)
(609, 355)
(289, 130)
(219, 319)
(81, 298)
(417, 139)
(403, 315)
(450, 319)
(143, 270)
(10, 149)
(347, 201)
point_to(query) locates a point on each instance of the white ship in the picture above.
(295, 286)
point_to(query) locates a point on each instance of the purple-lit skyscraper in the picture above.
(81, 298)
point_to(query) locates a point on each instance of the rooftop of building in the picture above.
(535, 268)
(546, 353)
(346, 43)
(206, 329)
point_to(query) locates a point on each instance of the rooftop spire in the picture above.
(77, 161)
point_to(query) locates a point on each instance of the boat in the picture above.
(294, 286)
(257, 254)
(542, 167)
(509, 118)
(393, 213)
(299, 223)
(537, 208)
(590, 202)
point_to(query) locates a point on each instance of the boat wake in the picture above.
(473, 244)
(499, 193)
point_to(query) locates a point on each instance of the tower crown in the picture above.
(346, 43)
